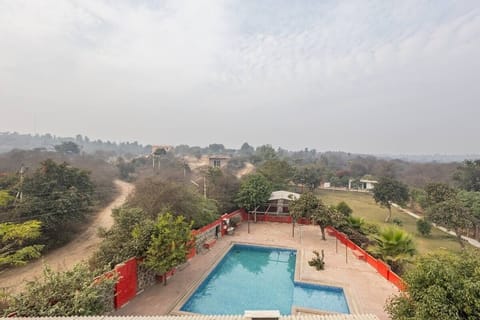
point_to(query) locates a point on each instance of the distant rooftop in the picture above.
(368, 181)
(219, 156)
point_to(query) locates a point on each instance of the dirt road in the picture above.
(75, 251)
(247, 169)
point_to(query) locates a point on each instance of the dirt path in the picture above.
(247, 169)
(196, 164)
(75, 251)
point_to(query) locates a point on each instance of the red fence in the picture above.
(273, 218)
(126, 287)
(379, 265)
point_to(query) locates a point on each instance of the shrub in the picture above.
(70, 293)
(17, 243)
(394, 246)
(129, 237)
(154, 196)
(369, 228)
(356, 236)
(397, 222)
(424, 227)
(355, 222)
(344, 208)
(317, 261)
(64, 192)
(441, 286)
(169, 244)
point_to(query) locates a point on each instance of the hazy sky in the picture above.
(359, 76)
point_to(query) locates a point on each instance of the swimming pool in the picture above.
(260, 278)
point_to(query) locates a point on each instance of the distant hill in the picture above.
(427, 158)
(14, 140)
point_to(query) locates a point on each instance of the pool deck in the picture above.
(366, 290)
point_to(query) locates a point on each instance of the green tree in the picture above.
(59, 196)
(16, 243)
(344, 209)
(304, 206)
(424, 227)
(125, 168)
(223, 188)
(325, 216)
(70, 293)
(255, 190)
(170, 243)
(8, 181)
(388, 191)
(453, 215)
(5, 199)
(154, 196)
(441, 286)
(418, 196)
(246, 149)
(308, 176)
(216, 148)
(128, 237)
(278, 172)
(68, 147)
(265, 152)
(471, 200)
(468, 175)
(438, 192)
(394, 246)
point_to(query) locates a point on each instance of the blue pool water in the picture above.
(260, 278)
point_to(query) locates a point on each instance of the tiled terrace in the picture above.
(367, 291)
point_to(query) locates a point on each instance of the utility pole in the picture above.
(184, 169)
(154, 156)
(204, 188)
(19, 195)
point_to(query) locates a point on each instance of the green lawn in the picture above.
(364, 206)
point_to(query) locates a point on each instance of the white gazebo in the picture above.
(279, 201)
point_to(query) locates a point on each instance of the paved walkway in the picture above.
(473, 242)
(367, 291)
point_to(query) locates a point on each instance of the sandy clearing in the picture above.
(247, 169)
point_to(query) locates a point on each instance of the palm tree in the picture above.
(355, 222)
(394, 246)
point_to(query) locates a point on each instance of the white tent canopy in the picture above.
(283, 195)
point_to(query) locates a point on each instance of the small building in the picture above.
(367, 184)
(218, 161)
(279, 201)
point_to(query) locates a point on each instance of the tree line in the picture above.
(47, 142)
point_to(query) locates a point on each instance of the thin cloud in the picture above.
(357, 76)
